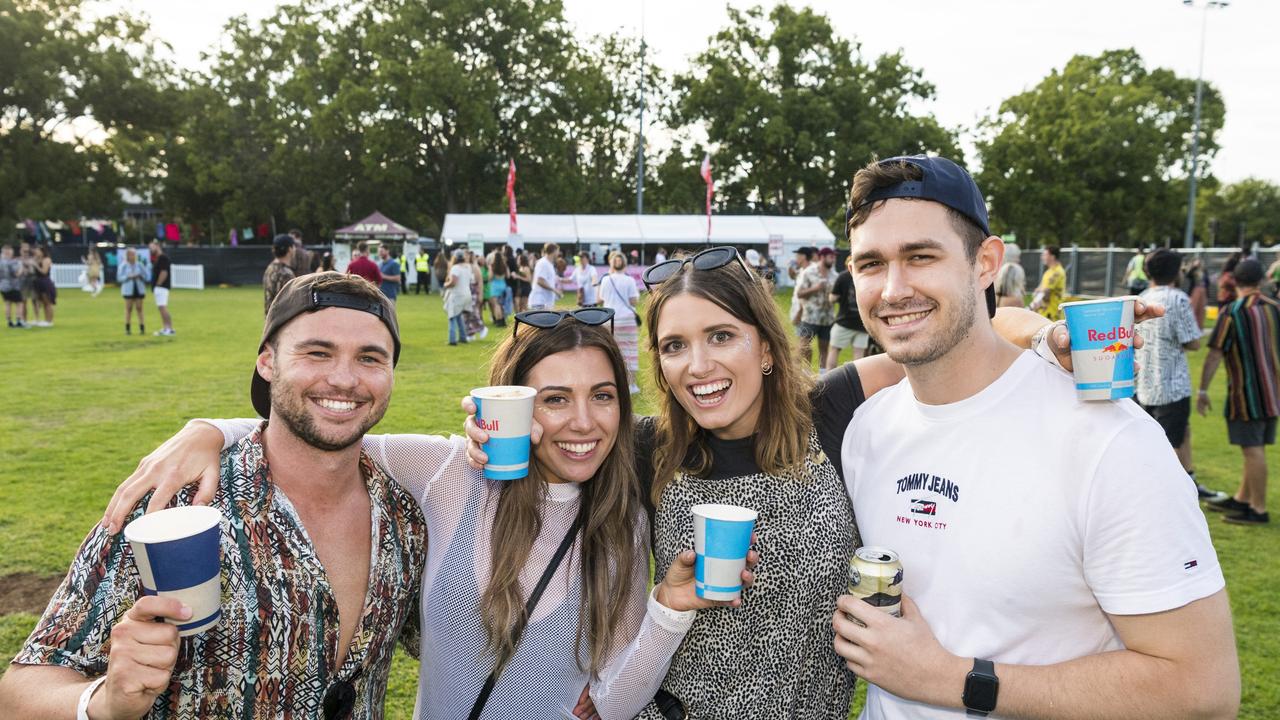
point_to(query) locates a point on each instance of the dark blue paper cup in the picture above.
(177, 552)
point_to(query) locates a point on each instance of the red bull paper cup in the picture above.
(721, 539)
(1102, 347)
(506, 413)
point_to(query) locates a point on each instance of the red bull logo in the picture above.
(1119, 333)
(487, 425)
(1115, 347)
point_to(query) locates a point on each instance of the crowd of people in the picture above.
(26, 285)
(29, 292)
(1032, 587)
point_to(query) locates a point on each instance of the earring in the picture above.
(766, 368)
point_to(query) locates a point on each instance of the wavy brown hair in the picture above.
(782, 431)
(609, 506)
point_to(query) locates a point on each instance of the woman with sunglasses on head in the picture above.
(595, 641)
(742, 423)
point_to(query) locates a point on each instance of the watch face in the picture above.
(980, 692)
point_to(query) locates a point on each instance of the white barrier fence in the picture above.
(185, 277)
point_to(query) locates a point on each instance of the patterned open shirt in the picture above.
(272, 653)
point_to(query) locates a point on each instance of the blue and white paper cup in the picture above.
(721, 538)
(1102, 347)
(178, 555)
(506, 413)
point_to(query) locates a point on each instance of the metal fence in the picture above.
(185, 277)
(1099, 272)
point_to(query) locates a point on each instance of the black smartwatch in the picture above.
(980, 688)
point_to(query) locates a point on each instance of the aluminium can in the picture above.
(875, 577)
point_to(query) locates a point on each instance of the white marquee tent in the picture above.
(647, 231)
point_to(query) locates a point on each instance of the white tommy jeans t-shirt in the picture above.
(1023, 516)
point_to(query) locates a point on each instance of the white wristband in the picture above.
(82, 707)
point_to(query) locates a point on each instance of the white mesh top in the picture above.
(542, 680)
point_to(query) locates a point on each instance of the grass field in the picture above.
(83, 402)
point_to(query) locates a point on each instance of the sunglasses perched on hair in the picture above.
(339, 700)
(709, 259)
(547, 319)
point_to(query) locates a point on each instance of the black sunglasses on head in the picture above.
(547, 319)
(709, 259)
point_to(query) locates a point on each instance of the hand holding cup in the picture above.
(678, 589)
(477, 437)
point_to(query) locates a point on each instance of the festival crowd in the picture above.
(1056, 561)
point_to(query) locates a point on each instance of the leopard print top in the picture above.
(773, 657)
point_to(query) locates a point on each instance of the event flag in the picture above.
(511, 195)
(706, 176)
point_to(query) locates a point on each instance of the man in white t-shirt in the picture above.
(584, 276)
(546, 286)
(1056, 563)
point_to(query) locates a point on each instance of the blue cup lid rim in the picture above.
(737, 512)
(1099, 301)
(155, 527)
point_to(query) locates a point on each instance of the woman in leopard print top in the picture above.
(743, 424)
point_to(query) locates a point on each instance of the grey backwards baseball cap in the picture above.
(301, 296)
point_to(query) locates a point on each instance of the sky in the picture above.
(975, 52)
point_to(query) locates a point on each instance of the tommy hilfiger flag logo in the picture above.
(1189, 564)
(924, 507)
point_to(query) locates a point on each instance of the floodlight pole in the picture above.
(640, 135)
(1189, 236)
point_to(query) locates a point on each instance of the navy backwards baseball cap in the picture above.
(944, 182)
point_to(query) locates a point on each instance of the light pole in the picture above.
(640, 135)
(1188, 238)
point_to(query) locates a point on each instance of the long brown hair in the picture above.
(782, 432)
(609, 507)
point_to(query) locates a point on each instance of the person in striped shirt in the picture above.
(1247, 337)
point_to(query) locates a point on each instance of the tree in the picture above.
(792, 111)
(1096, 152)
(1240, 214)
(77, 81)
(325, 111)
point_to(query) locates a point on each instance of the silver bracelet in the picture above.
(1043, 333)
(82, 707)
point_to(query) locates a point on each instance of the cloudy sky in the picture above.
(976, 53)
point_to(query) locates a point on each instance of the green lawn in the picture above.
(83, 403)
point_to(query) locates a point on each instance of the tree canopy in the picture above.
(80, 92)
(1096, 152)
(793, 110)
(327, 110)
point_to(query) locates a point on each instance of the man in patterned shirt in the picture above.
(1247, 336)
(1164, 382)
(279, 272)
(321, 552)
(817, 315)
